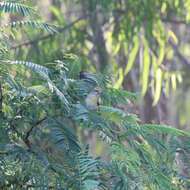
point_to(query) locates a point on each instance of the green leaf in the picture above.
(42, 70)
(165, 129)
(120, 79)
(13, 7)
(113, 114)
(33, 24)
(132, 55)
(146, 69)
(158, 88)
(174, 81)
(44, 73)
(90, 184)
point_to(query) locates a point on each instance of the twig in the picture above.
(45, 37)
(28, 133)
(174, 21)
(179, 54)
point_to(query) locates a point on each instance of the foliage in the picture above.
(43, 111)
(41, 134)
(139, 32)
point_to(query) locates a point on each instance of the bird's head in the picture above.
(97, 90)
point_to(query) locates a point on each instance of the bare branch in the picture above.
(179, 54)
(174, 21)
(45, 37)
(28, 133)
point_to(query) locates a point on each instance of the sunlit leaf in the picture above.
(146, 69)
(173, 36)
(132, 55)
(158, 83)
(173, 81)
(120, 79)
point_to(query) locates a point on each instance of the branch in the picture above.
(179, 54)
(45, 37)
(174, 21)
(28, 133)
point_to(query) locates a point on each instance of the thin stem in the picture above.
(45, 37)
(28, 133)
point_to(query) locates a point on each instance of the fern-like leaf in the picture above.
(13, 7)
(87, 172)
(164, 129)
(33, 66)
(44, 73)
(33, 24)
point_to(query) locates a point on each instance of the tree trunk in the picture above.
(98, 35)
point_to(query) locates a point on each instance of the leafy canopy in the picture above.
(43, 112)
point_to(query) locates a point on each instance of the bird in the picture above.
(92, 100)
(88, 77)
(83, 75)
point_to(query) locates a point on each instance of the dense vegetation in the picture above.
(49, 137)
